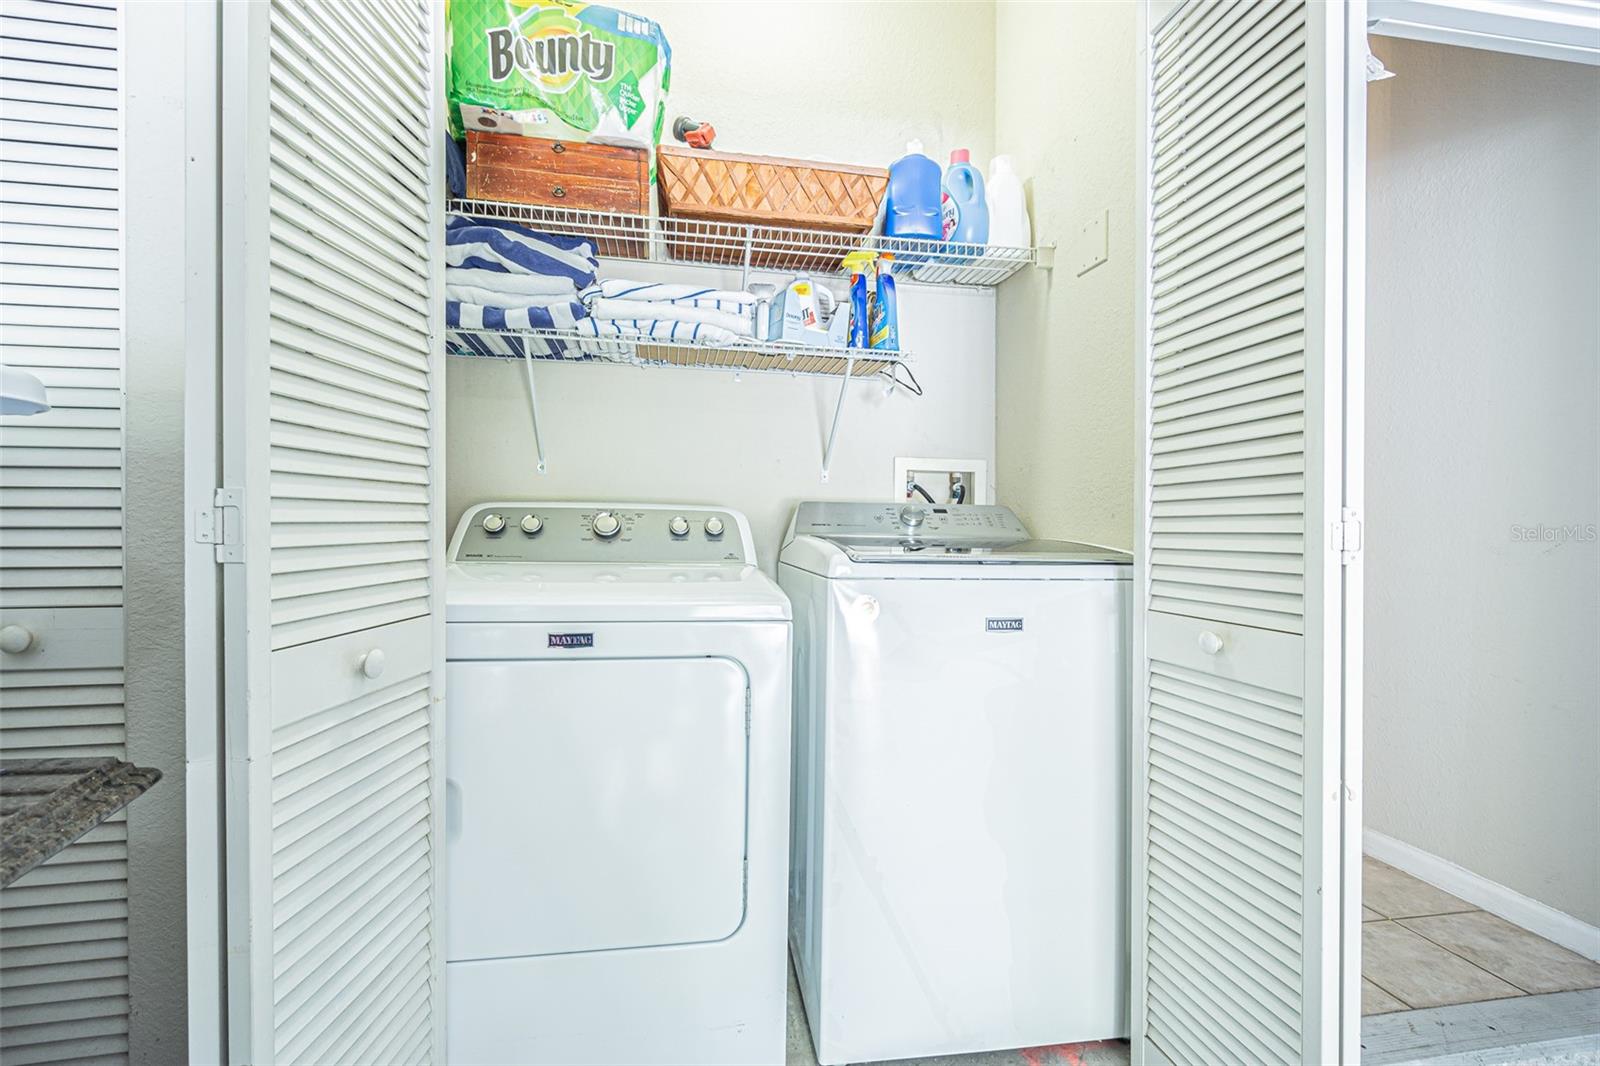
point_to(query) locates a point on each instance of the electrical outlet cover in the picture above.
(1093, 245)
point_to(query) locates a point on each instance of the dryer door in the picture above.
(594, 804)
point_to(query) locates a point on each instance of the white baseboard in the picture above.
(1513, 906)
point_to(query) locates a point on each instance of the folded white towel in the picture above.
(741, 325)
(509, 283)
(648, 329)
(686, 295)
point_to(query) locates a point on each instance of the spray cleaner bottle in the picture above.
(860, 264)
(885, 316)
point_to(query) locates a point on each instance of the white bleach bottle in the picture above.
(1008, 208)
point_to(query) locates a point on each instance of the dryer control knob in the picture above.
(532, 524)
(494, 523)
(912, 516)
(713, 526)
(606, 525)
(679, 526)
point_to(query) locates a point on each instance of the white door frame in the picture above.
(1561, 31)
(1354, 480)
(206, 934)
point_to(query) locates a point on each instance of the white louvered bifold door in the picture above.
(1237, 851)
(63, 927)
(333, 418)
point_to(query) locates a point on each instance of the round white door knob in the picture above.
(1210, 643)
(372, 664)
(713, 526)
(15, 639)
(679, 526)
(606, 525)
(531, 524)
(493, 523)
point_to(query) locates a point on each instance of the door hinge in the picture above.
(1347, 535)
(222, 525)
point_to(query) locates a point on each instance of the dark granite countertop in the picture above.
(46, 804)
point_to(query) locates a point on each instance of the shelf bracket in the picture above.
(838, 412)
(1044, 256)
(533, 401)
(749, 241)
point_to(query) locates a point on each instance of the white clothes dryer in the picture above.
(617, 780)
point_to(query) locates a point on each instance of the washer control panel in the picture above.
(951, 524)
(534, 532)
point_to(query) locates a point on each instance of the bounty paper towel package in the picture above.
(557, 68)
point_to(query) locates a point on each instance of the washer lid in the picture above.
(914, 550)
(912, 533)
(581, 592)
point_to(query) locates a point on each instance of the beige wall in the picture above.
(835, 81)
(843, 80)
(1065, 109)
(1483, 419)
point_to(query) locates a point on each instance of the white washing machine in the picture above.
(958, 875)
(617, 769)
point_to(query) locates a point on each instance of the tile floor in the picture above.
(1421, 947)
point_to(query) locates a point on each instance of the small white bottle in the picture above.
(1008, 207)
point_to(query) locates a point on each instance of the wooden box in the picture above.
(565, 174)
(704, 186)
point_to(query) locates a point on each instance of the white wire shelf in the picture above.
(560, 346)
(846, 365)
(744, 247)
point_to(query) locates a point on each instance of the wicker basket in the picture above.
(716, 187)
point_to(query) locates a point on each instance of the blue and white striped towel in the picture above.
(561, 308)
(610, 341)
(465, 315)
(513, 288)
(648, 329)
(494, 244)
(520, 346)
(730, 300)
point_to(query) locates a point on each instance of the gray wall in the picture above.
(1483, 422)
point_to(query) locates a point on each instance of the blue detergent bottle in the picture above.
(963, 211)
(911, 206)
